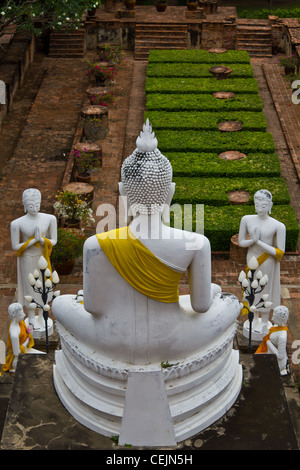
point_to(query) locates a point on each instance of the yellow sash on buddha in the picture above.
(261, 259)
(139, 267)
(263, 348)
(24, 334)
(47, 249)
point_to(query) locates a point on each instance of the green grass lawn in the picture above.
(184, 115)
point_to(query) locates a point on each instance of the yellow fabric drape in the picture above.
(24, 334)
(139, 267)
(46, 253)
(263, 348)
(261, 259)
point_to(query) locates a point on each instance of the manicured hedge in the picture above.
(221, 223)
(184, 115)
(199, 56)
(205, 120)
(196, 70)
(200, 85)
(202, 102)
(215, 141)
(209, 164)
(214, 191)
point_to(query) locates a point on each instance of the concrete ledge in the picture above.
(260, 419)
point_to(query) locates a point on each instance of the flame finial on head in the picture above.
(146, 142)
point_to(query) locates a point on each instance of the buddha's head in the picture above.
(146, 176)
(263, 202)
(280, 315)
(32, 201)
(16, 312)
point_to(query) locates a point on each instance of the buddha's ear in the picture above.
(122, 189)
(166, 209)
(123, 206)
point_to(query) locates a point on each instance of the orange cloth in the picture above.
(24, 334)
(263, 348)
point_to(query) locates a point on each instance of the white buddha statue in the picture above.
(133, 318)
(266, 243)
(19, 341)
(275, 341)
(33, 235)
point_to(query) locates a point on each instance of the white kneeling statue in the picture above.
(137, 360)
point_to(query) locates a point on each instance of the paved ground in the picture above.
(39, 141)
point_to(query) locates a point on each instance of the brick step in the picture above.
(254, 44)
(161, 34)
(257, 53)
(67, 39)
(152, 40)
(250, 35)
(254, 29)
(65, 55)
(165, 26)
(67, 49)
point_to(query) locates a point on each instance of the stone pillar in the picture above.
(94, 122)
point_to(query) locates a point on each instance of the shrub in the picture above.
(202, 102)
(69, 245)
(198, 56)
(265, 12)
(214, 191)
(255, 121)
(195, 70)
(209, 164)
(200, 85)
(215, 141)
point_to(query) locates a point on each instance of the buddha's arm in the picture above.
(14, 333)
(200, 278)
(243, 241)
(15, 238)
(280, 236)
(53, 230)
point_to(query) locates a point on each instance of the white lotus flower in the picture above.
(42, 263)
(253, 263)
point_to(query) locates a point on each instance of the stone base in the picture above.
(256, 333)
(255, 414)
(125, 13)
(198, 390)
(39, 331)
(199, 13)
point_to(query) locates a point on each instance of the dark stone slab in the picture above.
(259, 420)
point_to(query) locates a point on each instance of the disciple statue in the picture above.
(20, 341)
(264, 237)
(33, 235)
(133, 320)
(275, 341)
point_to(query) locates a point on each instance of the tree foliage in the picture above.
(40, 15)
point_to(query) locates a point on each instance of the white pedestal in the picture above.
(257, 332)
(39, 331)
(147, 418)
(189, 396)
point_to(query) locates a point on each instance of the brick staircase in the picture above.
(159, 36)
(69, 45)
(255, 38)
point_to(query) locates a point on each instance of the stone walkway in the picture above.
(49, 131)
